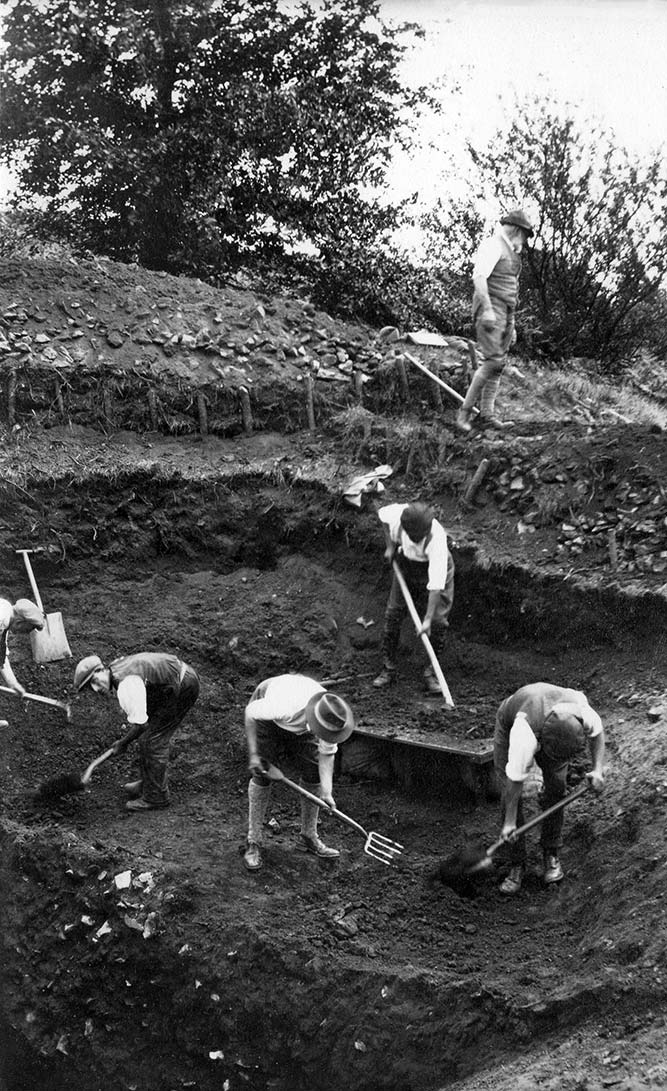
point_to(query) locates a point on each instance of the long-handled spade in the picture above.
(474, 860)
(68, 783)
(64, 706)
(437, 669)
(379, 847)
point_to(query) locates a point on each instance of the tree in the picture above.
(188, 135)
(599, 254)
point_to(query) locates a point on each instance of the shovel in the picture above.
(50, 644)
(65, 706)
(472, 860)
(444, 688)
(377, 846)
(68, 783)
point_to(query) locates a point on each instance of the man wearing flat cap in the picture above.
(546, 724)
(495, 277)
(295, 717)
(155, 691)
(418, 543)
(21, 617)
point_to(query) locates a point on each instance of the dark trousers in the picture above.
(155, 742)
(555, 787)
(274, 744)
(416, 577)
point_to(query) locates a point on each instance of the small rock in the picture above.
(656, 713)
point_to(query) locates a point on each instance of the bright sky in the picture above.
(608, 56)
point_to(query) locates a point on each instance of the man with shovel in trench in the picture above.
(546, 724)
(155, 690)
(21, 617)
(294, 715)
(418, 543)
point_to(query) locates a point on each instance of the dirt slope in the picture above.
(224, 537)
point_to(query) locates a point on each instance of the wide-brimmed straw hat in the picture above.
(329, 717)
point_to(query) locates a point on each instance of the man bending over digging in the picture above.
(293, 715)
(547, 724)
(155, 691)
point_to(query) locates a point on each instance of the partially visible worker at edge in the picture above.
(294, 716)
(495, 277)
(155, 690)
(547, 724)
(418, 543)
(21, 617)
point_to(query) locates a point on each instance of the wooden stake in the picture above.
(436, 396)
(11, 398)
(202, 414)
(310, 401)
(107, 405)
(60, 404)
(403, 379)
(477, 479)
(613, 549)
(359, 386)
(152, 409)
(246, 410)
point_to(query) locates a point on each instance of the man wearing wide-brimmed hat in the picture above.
(495, 277)
(21, 617)
(546, 724)
(418, 543)
(293, 716)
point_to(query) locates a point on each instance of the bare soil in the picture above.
(232, 546)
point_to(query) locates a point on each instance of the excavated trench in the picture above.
(194, 973)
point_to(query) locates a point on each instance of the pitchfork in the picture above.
(379, 847)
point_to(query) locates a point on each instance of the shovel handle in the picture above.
(454, 394)
(38, 697)
(31, 576)
(273, 773)
(580, 791)
(98, 761)
(427, 643)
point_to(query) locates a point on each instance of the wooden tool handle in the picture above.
(427, 643)
(454, 394)
(31, 576)
(580, 791)
(98, 761)
(273, 773)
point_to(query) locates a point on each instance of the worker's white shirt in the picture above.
(284, 702)
(523, 744)
(131, 695)
(489, 253)
(6, 612)
(433, 549)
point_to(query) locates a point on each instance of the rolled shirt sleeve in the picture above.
(284, 703)
(131, 695)
(523, 746)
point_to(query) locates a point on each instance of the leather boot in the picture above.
(259, 797)
(309, 816)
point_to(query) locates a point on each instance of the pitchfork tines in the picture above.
(381, 848)
(375, 844)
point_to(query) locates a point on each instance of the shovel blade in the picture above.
(50, 644)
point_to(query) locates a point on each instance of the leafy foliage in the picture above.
(599, 255)
(193, 135)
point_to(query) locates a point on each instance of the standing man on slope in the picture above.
(293, 715)
(418, 543)
(495, 277)
(155, 691)
(546, 724)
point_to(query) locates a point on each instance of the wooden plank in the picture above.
(477, 751)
